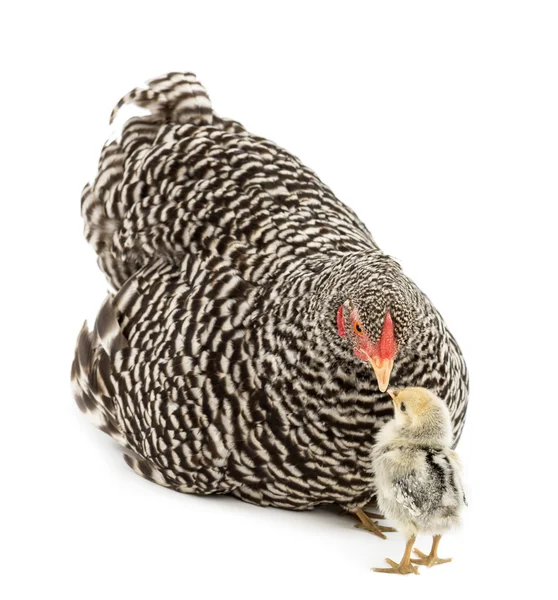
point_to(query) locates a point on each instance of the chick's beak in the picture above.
(382, 369)
(393, 393)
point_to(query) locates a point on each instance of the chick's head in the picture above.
(421, 414)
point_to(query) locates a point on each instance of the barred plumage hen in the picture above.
(255, 324)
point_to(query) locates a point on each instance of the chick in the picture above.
(417, 474)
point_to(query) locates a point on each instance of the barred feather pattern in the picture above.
(217, 362)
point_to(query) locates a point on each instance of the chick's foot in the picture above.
(405, 567)
(398, 568)
(368, 524)
(429, 560)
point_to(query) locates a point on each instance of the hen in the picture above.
(255, 325)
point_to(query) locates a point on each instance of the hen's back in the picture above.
(183, 180)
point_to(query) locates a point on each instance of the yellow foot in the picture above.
(429, 560)
(376, 528)
(402, 568)
(376, 516)
(371, 509)
(368, 524)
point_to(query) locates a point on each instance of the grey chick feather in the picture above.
(417, 474)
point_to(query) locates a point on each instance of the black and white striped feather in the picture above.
(217, 362)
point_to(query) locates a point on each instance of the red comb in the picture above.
(387, 339)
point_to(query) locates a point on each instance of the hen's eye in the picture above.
(402, 407)
(358, 329)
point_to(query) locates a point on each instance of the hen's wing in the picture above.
(166, 373)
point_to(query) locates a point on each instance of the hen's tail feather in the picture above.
(174, 97)
(174, 100)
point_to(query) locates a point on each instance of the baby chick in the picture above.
(417, 474)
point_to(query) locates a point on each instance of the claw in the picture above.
(405, 567)
(429, 560)
(376, 516)
(368, 524)
(381, 528)
(397, 568)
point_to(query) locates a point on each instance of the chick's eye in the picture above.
(358, 328)
(402, 407)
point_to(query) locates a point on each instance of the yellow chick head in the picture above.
(419, 409)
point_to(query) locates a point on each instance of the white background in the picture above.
(438, 123)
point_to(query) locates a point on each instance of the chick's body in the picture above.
(417, 474)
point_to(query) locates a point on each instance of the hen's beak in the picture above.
(382, 369)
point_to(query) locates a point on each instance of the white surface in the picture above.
(437, 122)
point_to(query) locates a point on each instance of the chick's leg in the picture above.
(431, 559)
(368, 524)
(405, 566)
